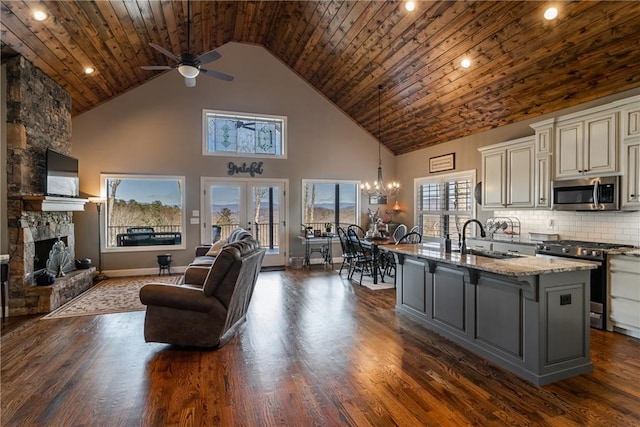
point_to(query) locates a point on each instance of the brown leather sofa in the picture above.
(211, 304)
(202, 257)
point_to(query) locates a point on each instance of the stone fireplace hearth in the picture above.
(38, 117)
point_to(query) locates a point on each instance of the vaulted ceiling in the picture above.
(522, 65)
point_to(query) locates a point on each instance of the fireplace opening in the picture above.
(42, 249)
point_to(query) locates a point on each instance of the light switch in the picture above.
(195, 213)
(195, 220)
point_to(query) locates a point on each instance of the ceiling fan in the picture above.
(187, 64)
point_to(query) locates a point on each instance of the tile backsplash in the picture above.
(610, 227)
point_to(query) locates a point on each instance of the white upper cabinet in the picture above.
(586, 147)
(630, 156)
(543, 163)
(508, 174)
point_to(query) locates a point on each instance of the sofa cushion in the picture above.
(215, 248)
(204, 261)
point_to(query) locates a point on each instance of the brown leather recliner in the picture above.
(204, 314)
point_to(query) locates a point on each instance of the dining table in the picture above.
(373, 243)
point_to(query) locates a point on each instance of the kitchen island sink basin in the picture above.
(492, 254)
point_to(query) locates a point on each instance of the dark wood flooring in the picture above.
(316, 350)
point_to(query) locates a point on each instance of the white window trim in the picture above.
(439, 179)
(329, 181)
(103, 216)
(205, 152)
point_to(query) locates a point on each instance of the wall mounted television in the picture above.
(62, 175)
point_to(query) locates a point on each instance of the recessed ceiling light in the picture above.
(89, 70)
(410, 5)
(465, 63)
(39, 15)
(550, 13)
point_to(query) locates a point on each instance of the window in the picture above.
(143, 212)
(444, 203)
(329, 202)
(245, 135)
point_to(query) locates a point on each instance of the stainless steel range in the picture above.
(595, 252)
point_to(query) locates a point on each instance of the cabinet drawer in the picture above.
(625, 285)
(625, 311)
(625, 264)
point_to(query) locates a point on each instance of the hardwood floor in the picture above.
(315, 350)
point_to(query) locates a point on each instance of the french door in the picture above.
(255, 205)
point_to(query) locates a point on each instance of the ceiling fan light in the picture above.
(188, 71)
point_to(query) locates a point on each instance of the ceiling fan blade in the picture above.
(164, 52)
(190, 82)
(207, 57)
(217, 74)
(156, 67)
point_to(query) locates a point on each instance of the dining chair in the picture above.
(412, 237)
(417, 229)
(400, 231)
(390, 268)
(363, 259)
(360, 233)
(348, 255)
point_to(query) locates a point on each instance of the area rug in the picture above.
(116, 295)
(367, 281)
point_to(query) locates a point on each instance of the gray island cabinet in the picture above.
(526, 314)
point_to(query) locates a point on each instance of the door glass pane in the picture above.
(265, 202)
(225, 207)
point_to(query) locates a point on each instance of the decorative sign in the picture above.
(442, 163)
(252, 169)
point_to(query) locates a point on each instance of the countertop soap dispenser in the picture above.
(447, 244)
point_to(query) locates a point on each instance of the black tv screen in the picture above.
(62, 175)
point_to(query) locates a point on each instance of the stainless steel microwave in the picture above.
(587, 194)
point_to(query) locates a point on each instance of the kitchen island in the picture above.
(526, 314)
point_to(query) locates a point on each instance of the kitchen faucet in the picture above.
(463, 248)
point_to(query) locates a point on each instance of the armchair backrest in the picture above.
(233, 275)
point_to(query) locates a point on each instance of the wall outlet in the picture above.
(550, 223)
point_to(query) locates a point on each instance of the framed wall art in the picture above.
(442, 163)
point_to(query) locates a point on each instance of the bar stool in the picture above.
(164, 264)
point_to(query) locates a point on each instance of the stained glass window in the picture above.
(244, 135)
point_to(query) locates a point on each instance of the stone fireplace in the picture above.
(38, 117)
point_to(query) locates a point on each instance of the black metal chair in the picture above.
(390, 268)
(400, 231)
(363, 259)
(412, 237)
(360, 233)
(348, 253)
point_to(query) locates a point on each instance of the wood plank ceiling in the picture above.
(522, 65)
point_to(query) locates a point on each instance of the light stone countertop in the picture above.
(627, 252)
(520, 266)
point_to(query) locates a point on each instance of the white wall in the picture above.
(157, 129)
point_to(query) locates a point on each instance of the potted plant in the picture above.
(328, 227)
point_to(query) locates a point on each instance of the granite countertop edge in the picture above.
(521, 266)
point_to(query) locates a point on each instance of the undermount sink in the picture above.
(491, 254)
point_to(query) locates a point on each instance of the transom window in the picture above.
(143, 212)
(244, 135)
(444, 203)
(329, 202)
